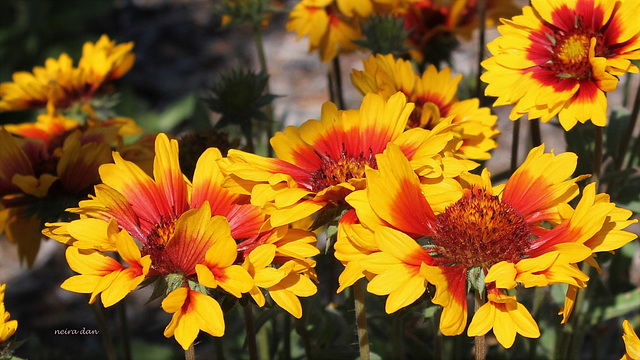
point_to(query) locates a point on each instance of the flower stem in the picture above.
(536, 136)
(480, 348)
(537, 304)
(361, 319)
(597, 154)
(633, 119)
(251, 332)
(286, 347)
(482, 14)
(190, 353)
(572, 334)
(626, 140)
(98, 312)
(437, 337)
(219, 349)
(335, 83)
(257, 37)
(124, 329)
(301, 326)
(515, 144)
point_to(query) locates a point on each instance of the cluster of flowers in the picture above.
(52, 163)
(334, 25)
(398, 169)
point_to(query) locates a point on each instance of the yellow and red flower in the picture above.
(59, 84)
(631, 342)
(321, 162)
(434, 24)
(7, 327)
(53, 166)
(559, 58)
(194, 235)
(490, 237)
(330, 31)
(434, 95)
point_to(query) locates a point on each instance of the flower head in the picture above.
(192, 236)
(330, 31)
(631, 342)
(7, 327)
(434, 96)
(239, 97)
(559, 58)
(487, 238)
(435, 25)
(323, 161)
(59, 85)
(48, 166)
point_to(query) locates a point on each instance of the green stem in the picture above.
(257, 37)
(537, 305)
(219, 349)
(304, 334)
(335, 83)
(437, 338)
(480, 349)
(124, 329)
(190, 353)
(396, 340)
(515, 144)
(536, 136)
(98, 312)
(626, 140)
(482, 14)
(251, 332)
(361, 319)
(627, 87)
(263, 344)
(571, 335)
(286, 347)
(597, 154)
(634, 118)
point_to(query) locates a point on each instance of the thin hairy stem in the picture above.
(482, 14)
(480, 349)
(257, 36)
(98, 312)
(251, 332)
(361, 319)
(536, 135)
(515, 144)
(597, 154)
(190, 353)
(335, 84)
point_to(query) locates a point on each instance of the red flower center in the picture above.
(479, 229)
(335, 171)
(155, 248)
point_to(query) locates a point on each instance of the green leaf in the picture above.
(475, 279)
(430, 311)
(159, 287)
(612, 307)
(615, 131)
(176, 113)
(580, 140)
